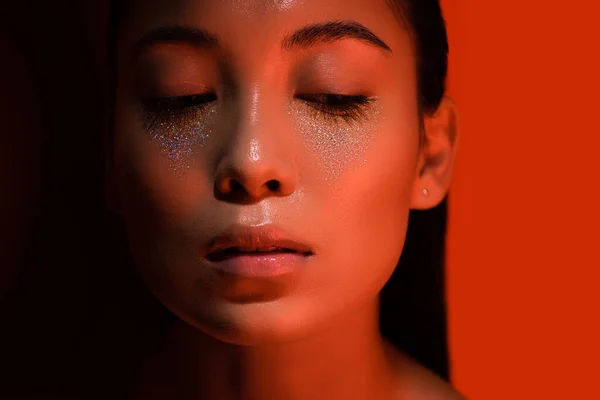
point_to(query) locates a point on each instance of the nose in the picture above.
(258, 162)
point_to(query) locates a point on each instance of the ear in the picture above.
(435, 166)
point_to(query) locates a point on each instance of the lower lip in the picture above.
(261, 265)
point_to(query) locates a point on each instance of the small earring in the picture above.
(425, 192)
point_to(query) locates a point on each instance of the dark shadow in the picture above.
(78, 320)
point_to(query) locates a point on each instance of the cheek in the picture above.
(369, 210)
(154, 196)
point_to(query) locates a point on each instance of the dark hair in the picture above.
(426, 23)
(413, 302)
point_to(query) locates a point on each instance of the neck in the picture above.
(347, 360)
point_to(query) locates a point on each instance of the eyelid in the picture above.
(178, 103)
(169, 90)
(352, 110)
(352, 99)
(201, 95)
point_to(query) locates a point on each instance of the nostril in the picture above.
(235, 186)
(273, 185)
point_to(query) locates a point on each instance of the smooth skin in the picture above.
(343, 187)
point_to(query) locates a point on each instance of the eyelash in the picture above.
(178, 104)
(328, 105)
(337, 106)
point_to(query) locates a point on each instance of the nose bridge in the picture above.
(258, 160)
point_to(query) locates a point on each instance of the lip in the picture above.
(256, 251)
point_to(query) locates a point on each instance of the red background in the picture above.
(523, 255)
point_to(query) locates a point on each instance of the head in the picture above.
(324, 120)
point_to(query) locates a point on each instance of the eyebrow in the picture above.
(303, 38)
(329, 32)
(176, 34)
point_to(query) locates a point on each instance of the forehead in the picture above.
(264, 20)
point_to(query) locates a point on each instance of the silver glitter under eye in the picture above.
(179, 133)
(339, 144)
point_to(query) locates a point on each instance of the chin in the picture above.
(253, 324)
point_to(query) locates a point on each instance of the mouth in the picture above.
(256, 251)
(232, 252)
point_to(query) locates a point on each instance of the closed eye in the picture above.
(337, 105)
(179, 103)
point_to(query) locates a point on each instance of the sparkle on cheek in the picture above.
(178, 136)
(339, 145)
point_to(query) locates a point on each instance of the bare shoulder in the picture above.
(418, 383)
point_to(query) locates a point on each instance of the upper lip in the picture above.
(248, 239)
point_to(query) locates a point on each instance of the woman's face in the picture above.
(249, 121)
